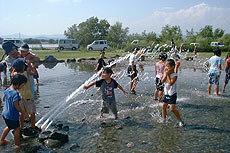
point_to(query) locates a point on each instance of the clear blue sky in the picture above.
(37, 17)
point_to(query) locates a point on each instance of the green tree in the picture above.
(88, 31)
(218, 33)
(191, 36)
(168, 33)
(225, 39)
(117, 35)
(52, 41)
(206, 32)
(32, 41)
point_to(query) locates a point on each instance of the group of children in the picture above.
(166, 82)
(166, 86)
(19, 97)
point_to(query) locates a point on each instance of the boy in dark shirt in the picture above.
(107, 85)
(100, 62)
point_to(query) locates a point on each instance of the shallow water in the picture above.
(206, 117)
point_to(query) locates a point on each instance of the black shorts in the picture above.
(130, 74)
(170, 99)
(159, 85)
(11, 124)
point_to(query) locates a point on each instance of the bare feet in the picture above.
(4, 142)
(20, 146)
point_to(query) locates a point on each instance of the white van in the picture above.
(17, 42)
(98, 45)
(217, 44)
(67, 44)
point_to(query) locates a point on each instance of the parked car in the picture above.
(217, 44)
(17, 42)
(67, 44)
(195, 44)
(98, 45)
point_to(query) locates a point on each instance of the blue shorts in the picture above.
(214, 78)
(11, 124)
(170, 99)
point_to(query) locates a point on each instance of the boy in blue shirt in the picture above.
(107, 85)
(11, 110)
(214, 71)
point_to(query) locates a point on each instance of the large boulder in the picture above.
(59, 136)
(50, 59)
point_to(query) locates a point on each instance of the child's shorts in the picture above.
(28, 105)
(170, 99)
(227, 77)
(129, 71)
(159, 85)
(106, 106)
(214, 78)
(11, 124)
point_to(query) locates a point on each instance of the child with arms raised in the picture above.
(107, 85)
(11, 109)
(170, 93)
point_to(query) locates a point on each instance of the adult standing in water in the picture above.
(132, 71)
(12, 51)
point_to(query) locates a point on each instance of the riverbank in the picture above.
(69, 54)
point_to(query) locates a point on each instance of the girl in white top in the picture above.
(170, 93)
(159, 72)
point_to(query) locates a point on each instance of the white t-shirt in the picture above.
(9, 61)
(170, 90)
(132, 58)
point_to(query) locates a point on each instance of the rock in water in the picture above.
(29, 132)
(52, 143)
(130, 144)
(50, 59)
(74, 146)
(59, 136)
(44, 135)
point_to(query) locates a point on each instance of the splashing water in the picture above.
(48, 118)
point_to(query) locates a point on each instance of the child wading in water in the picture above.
(214, 71)
(170, 93)
(107, 85)
(11, 110)
(227, 71)
(159, 71)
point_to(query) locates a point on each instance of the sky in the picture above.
(47, 17)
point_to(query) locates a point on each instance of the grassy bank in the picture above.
(62, 55)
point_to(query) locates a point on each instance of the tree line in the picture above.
(118, 36)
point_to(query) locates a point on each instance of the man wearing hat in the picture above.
(11, 50)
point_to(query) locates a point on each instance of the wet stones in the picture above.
(130, 144)
(74, 146)
(189, 58)
(59, 136)
(53, 139)
(71, 60)
(52, 143)
(30, 132)
(44, 135)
